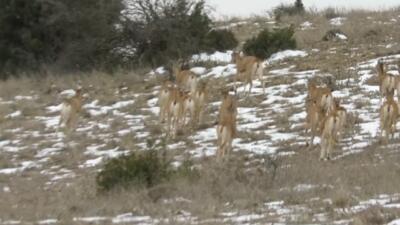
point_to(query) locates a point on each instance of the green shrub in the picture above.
(296, 9)
(221, 40)
(269, 42)
(168, 30)
(143, 169)
(101, 34)
(74, 35)
(186, 171)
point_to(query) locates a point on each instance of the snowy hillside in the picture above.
(36, 157)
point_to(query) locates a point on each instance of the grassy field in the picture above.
(270, 178)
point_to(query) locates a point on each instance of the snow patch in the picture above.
(198, 70)
(222, 57)
(338, 21)
(14, 114)
(307, 25)
(286, 54)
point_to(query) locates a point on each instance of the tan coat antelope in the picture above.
(248, 67)
(185, 79)
(70, 110)
(389, 113)
(226, 128)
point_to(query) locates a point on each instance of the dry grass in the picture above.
(375, 216)
(242, 182)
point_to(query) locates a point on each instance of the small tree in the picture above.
(268, 42)
(143, 169)
(290, 10)
(299, 5)
(74, 34)
(221, 40)
(164, 30)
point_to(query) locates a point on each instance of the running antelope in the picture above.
(189, 108)
(163, 98)
(342, 114)
(185, 79)
(70, 110)
(175, 111)
(228, 101)
(388, 117)
(200, 97)
(226, 128)
(329, 134)
(332, 128)
(313, 119)
(387, 82)
(247, 68)
(322, 95)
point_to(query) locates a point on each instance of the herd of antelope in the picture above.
(389, 111)
(186, 97)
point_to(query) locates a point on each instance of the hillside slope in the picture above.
(271, 176)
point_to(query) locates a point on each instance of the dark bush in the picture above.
(166, 30)
(103, 34)
(269, 42)
(74, 34)
(142, 169)
(296, 9)
(91, 34)
(221, 40)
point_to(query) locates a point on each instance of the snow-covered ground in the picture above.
(267, 119)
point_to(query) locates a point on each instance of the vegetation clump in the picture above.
(269, 42)
(143, 169)
(289, 10)
(85, 35)
(221, 40)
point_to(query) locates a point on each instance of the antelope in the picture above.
(70, 110)
(313, 119)
(387, 82)
(226, 128)
(228, 102)
(185, 79)
(389, 113)
(322, 95)
(342, 114)
(247, 67)
(329, 130)
(175, 110)
(163, 98)
(189, 107)
(200, 97)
